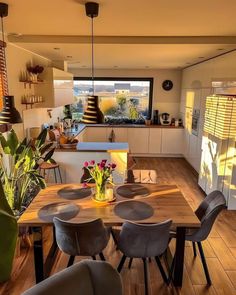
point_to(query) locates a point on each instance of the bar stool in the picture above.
(45, 166)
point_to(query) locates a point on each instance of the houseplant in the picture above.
(101, 173)
(19, 164)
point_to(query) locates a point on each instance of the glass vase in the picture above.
(100, 192)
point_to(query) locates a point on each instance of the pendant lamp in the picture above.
(9, 114)
(92, 114)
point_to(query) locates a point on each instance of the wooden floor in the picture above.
(220, 248)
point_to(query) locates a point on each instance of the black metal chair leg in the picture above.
(102, 256)
(145, 275)
(113, 236)
(163, 274)
(71, 261)
(130, 262)
(122, 261)
(59, 172)
(194, 249)
(204, 263)
(94, 257)
(55, 175)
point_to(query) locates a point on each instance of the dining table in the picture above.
(141, 203)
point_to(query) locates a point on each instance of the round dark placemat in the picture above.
(130, 191)
(133, 210)
(61, 210)
(72, 193)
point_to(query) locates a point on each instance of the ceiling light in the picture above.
(201, 57)
(115, 66)
(92, 114)
(69, 56)
(147, 67)
(220, 49)
(56, 48)
(9, 114)
(188, 63)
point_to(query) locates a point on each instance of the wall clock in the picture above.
(167, 85)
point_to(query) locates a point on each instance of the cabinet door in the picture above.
(138, 140)
(172, 141)
(95, 134)
(120, 134)
(154, 141)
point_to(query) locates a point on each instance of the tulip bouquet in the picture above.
(101, 173)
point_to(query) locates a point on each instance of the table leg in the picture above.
(42, 270)
(38, 254)
(179, 259)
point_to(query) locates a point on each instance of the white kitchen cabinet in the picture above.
(154, 141)
(120, 134)
(172, 141)
(57, 88)
(138, 139)
(95, 134)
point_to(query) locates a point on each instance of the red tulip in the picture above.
(86, 164)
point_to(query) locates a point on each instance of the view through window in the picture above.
(120, 100)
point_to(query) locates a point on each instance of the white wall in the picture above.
(17, 60)
(164, 101)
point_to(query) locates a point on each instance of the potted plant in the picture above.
(19, 164)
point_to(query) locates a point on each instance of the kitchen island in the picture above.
(72, 161)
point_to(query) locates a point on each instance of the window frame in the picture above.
(148, 79)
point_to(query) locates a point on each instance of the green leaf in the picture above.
(12, 141)
(21, 146)
(46, 147)
(4, 144)
(41, 138)
(49, 155)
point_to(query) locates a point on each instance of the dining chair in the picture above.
(144, 241)
(81, 239)
(207, 213)
(84, 278)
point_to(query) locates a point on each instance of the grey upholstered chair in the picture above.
(207, 213)
(144, 241)
(141, 176)
(81, 239)
(84, 278)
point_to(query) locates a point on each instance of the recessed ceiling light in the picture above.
(56, 48)
(220, 49)
(69, 56)
(115, 66)
(201, 57)
(147, 67)
(188, 63)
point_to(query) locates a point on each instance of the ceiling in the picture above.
(130, 34)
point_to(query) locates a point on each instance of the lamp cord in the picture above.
(92, 48)
(5, 88)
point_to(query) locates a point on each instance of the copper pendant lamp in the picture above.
(92, 114)
(9, 114)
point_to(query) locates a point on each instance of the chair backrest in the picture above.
(207, 213)
(141, 176)
(86, 238)
(139, 240)
(87, 277)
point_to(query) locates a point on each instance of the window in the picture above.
(122, 100)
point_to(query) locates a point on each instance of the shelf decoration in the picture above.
(31, 75)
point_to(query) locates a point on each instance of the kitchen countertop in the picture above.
(103, 147)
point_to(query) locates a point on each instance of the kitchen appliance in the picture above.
(156, 120)
(165, 119)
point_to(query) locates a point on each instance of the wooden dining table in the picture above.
(166, 201)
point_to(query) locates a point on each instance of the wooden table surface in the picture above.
(166, 200)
